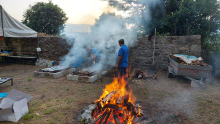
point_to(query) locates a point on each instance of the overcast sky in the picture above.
(78, 11)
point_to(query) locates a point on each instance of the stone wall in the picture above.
(52, 48)
(141, 55)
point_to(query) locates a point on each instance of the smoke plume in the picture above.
(105, 34)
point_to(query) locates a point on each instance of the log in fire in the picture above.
(116, 105)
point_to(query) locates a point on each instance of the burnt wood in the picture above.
(100, 116)
(103, 117)
(108, 115)
(94, 111)
(109, 96)
(117, 121)
(111, 106)
(125, 121)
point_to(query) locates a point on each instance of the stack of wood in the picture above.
(115, 113)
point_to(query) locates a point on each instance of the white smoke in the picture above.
(105, 35)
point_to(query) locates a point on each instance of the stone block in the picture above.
(41, 74)
(51, 75)
(58, 74)
(88, 79)
(75, 77)
(69, 77)
(65, 72)
(36, 74)
(72, 70)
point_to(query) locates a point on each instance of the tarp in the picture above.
(12, 27)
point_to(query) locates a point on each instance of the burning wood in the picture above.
(109, 96)
(116, 105)
(117, 121)
(106, 119)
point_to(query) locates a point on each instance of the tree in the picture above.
(45, 17)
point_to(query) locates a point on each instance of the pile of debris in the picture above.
(188, 60)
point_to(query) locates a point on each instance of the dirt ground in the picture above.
(163, 101)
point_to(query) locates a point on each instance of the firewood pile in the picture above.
(122, 112)
(187, 61)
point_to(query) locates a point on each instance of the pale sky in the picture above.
(78, 11)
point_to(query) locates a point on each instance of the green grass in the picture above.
(173, 116)
(30, 79)
(28, 116)
(143, 92)
(49, 111)
(69, 101)
(38, 117)
(218, 122)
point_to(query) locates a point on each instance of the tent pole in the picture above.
(2, 25)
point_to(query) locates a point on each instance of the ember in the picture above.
(116, 105)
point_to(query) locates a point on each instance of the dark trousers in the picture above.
(122, 73)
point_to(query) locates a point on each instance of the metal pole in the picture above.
(38, 44)
(38, 39)
(154, 44)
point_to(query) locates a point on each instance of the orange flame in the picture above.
(114, 92)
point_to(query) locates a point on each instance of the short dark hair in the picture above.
(121, 41)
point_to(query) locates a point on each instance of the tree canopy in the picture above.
(175, 17)
(45, 18)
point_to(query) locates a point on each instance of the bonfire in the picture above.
(116, 105)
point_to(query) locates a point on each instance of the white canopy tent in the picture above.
(9, 27)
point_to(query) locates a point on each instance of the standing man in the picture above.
(96, 54)
(122, 63)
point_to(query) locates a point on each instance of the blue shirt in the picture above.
(96, 52)
(123, 51)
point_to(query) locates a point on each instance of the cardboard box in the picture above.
(14, 106)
